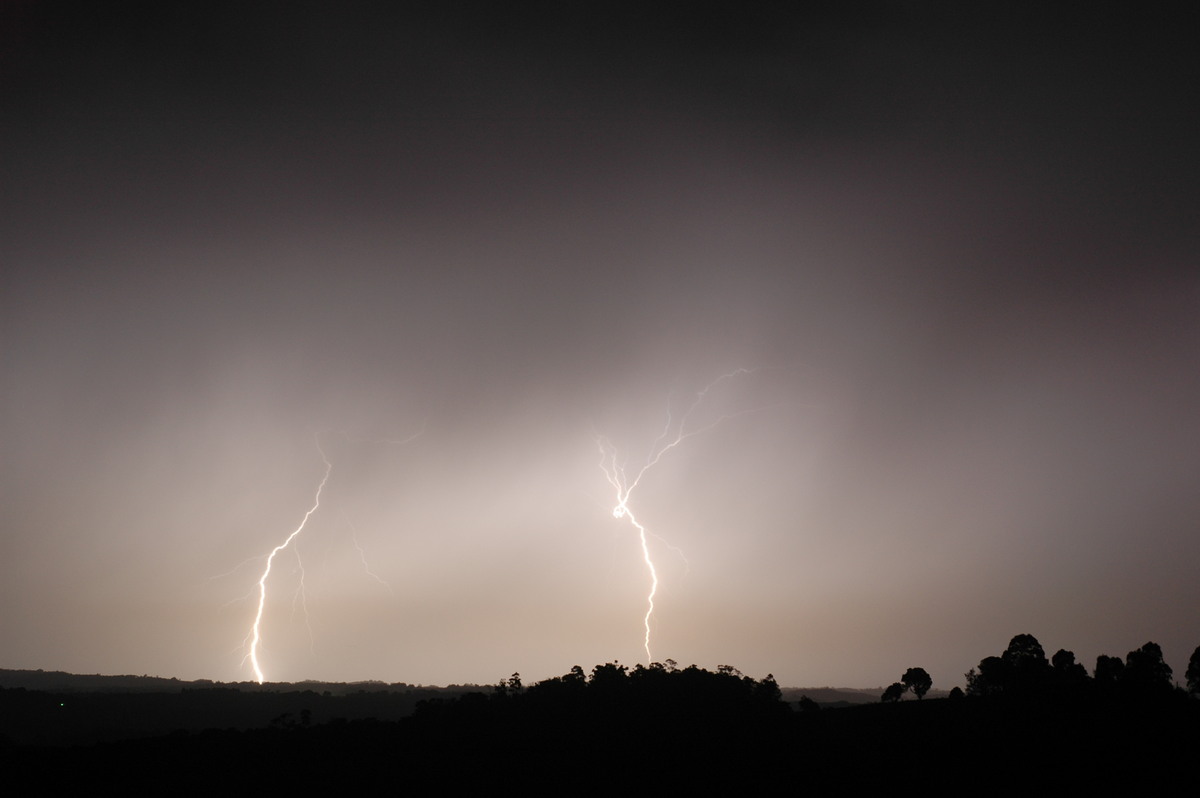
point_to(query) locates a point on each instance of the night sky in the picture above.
(958, 250)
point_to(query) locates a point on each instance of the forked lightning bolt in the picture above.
(614, 471)
(255, 636)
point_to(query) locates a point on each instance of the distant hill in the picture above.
(832, 696)
(62, 682)
(57, 708)
(844, 696)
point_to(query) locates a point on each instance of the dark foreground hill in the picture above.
(58, 708)
(650, 730)
(122, 710)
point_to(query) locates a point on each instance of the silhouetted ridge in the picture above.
(613, 694)
(1024, 720)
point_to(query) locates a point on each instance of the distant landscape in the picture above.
(95, 707)
(1024, 715)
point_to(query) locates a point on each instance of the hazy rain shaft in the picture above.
(958, 248)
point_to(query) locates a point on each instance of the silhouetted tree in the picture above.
(1193, 673)
(768, 689)
(558, 688)
(1025, 652)
(608, 677)
(806, 704)
(917, 680)
(893, 693)
(955, 694)
(507, 687)
(993, 676)
(1067, 672)
(1022, 669)
(1145, 669)
(1108, 672)
(1030, 670)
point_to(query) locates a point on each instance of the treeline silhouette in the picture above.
(660, 693)
(1025, 723)
(1023, 672)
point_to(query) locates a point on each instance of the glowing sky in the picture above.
(960, 246)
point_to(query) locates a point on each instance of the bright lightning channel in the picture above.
(255, 633)
(614, 471)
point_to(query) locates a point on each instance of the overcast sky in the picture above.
(959, 251)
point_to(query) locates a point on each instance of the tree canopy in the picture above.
(1022, 670)
(1193, 673)
(917, 680)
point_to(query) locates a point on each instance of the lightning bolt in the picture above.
(255, 629)
(673, 434)
(255, 635)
